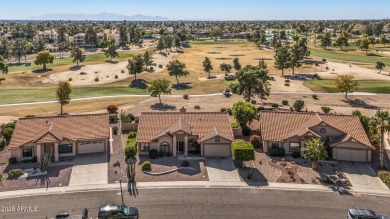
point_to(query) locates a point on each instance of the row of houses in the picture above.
(206, 134)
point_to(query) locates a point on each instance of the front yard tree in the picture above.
(77, 54)
(252, 82)
(207, 66)
(314, 150)
(282, 58)
(160, 86)
(64, 89)
(136, 65)
(177, 69)
(381, 122)
(298, 105)
(111, 51)
(244, 112)
(380, 66)
(236, 64)
(326, 40)
(364, 44)
(345, 83)
(43, 58)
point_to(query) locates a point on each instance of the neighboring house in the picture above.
(206, 134)
(49, 36)
(343, 135)
(60, 136)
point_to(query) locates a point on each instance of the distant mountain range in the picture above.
(98, 17)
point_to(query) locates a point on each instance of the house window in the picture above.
(65, 148)
(217, 139)
(275, 145)
(145, 147)
(164, 147)
(27, 152)
(322, 130)
(294, 147)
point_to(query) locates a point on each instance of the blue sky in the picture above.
(205, 9)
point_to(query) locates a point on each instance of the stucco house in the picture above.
(343, 135)
(61, 136)
(206, 134)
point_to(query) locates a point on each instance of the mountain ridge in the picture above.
(98, 17)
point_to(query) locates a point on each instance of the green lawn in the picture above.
(8, 96)
(348, 56)
(370, 86)
(91, 58)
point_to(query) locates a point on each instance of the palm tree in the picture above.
(381, 122)
(63, 93)
(314, 150)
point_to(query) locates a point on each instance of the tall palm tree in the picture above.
(63, 92)
(314, 150)
(380, 124)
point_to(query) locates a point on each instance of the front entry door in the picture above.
(180, 147)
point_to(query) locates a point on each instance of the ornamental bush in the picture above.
(15, 173)
(185, 163)
(235, 125)
(296, 154)
(285, 102)
(276, 152)
(130, 151)
(132, 135)
(12, 160)
(112, 108)
(256, 141)
(246, 131)
(385, 177)
(243, 151)
(146, 165)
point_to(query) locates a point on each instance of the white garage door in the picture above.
(350, 155)
(217, 150)
(91, 147)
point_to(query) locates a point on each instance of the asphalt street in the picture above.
(199, 203)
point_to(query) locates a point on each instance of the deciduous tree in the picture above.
(244, 112)
(43, 58)
(136, 65)
(207, 66)
(345, 83)
(160, 86)
(77, 55)
(177, 69)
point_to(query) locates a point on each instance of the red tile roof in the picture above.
(154, 124)
(56, 128)
(278, 126)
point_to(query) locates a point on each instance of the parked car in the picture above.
(364, 214)
(113, 211)
(227, 92)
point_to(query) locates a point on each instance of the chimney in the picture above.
(183, 110)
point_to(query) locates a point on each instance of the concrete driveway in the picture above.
(363, 178)
(221, 170)
(89, 169)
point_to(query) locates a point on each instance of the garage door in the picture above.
(217, 150)
(91, 147)
(350, 155)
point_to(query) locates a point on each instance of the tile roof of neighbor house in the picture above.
(57, 128)
(278, 126)
(156, 124)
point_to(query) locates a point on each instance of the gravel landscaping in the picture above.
(117, 155)
(162, 164)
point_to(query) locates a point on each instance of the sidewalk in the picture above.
(154, 185)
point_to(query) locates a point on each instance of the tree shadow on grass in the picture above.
(358, 103)
(162, 107)
(139, 83)
(42, 71)
(182, 86)
(372, 54)
(112, 62)
(75, 68)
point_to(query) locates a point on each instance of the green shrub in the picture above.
(113, 118)
(146, 165)
(246, 131)
(223, 110)
(115, 130)
(1, 177)
(287, 85)
(197, 107)
(153, 154)
(315, 96)
(234, 125)
(132, 135)
(276, 152)
(12, 160)
(285, 102)
(229, 110)
(15, 173)
(243, 151)
(256, 141)
(34, 159)
(287, 81)
(185, 163)
(385, 177)
(299, 105)
(326, 109)
(296, 154)
(260, 108)
(275, 105)
(2, 143)
(130, 151)
(185, 96)
(253, 102)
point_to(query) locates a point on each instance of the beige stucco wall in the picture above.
(353, 146)
(156, 145)
(286, 144)
(212, 140)
(18, 153)
(330, 131)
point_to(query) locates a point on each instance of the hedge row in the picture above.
(131, 145)
(243, 151)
